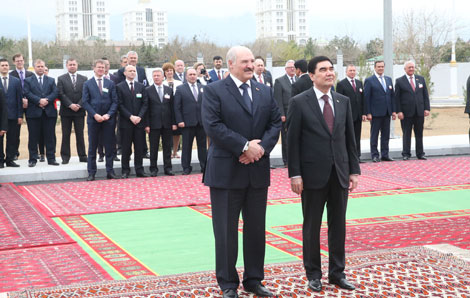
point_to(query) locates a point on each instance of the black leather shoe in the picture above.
(12, 164)
(83, 159)
(422, 157)
(53, 163)
(361, 161)
(186, 172)
(375, 159)
(2, 165)
(154, 174)
(31, 164)
(111, 176)
(101, 159)
(406, 158)
(147, 155)
(386, 158)
(64, 162)
(90, 178)
(142, 175)
(41, 158)
(169, 173)
(343, 283)
(315, 285)
(116, 158)
(259, 290)
(230, 293)
(125, 175)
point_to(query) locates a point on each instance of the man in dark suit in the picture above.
(21, 73)
(217, 73)
(100, 101)
(188, 100)
(261, 75)
(303, 82)
(160, 122)
(41, 115)
(14, 109)
(352, 88)
(133, 59)
(412, 99)
(467, 105)
(3, 120)
(323, 164)
(70, 86)
(379, 106)
(179, 75)
(243, 122)
(133, 103)
(282, 94)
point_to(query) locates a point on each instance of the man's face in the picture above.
(191, 76)
(129, 72)
(351, 72)
(39, 68)
(157, 78)
(290, 69)
(218, 64)
(19, 62)
(179, 66)
(132, 59)
(298, 72)
(4, 67)
(106, 66)
(72, 66)
(46, 71)
(379, 68)
(410, 69)
(124, 62)
(324, 75)
(99, 69)
(242, 69)
(259, 66)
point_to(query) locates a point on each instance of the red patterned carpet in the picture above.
(22, 225)
(409, 272)
(46, 267)
(78, 198)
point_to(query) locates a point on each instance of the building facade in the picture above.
(146, 23)
(282, 20)
(82, 20)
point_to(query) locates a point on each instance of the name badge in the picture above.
(105, 90)
(166, 96)
(390, 87)
(360, 90)
(268, 84)
(202, 90)
(420, 85)
(138, 95)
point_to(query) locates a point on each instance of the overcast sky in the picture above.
(212, 19)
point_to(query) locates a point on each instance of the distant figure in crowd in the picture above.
(203, 76)
(260, 74)
(3, 121)
(217, 73)
(412, 100)
(467, 105)
(379, 107)
(180, 74)
(303, 82)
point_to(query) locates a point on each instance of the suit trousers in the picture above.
(12, 142)
(132, 135)
(284, 142)
(313, 203)
(382, 125)
(357, 135)
(79, 125)
(415, 123)
(47, 126)
(189, 133)
(106, 132)
(167, 143)
(226, 207)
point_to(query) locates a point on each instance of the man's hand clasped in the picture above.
(254, 152)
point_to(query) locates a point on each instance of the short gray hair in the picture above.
(132, 53)
(409, 62)
(123, 56)
(158, 70)
(232, 53)
(289, 61)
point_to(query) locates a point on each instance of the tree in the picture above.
(347, 45)
(374, 48)
(310, 49)
(462, 51)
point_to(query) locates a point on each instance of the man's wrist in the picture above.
(245, 148)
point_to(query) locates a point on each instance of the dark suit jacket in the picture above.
(69, 95)
(229, 124)
(214, 76)
(302, 84)
(467, 106)
(282, 93)
(17, 75)
(312, 149)
(141, 76)
(356, 98)
(186, 108)
(411, 102)
(160, 114)
(267, 78)
(14, 98)
(131, 104)
(378, 102)
(96, 103)
(3, 111)
(33, 92)
(175, 76)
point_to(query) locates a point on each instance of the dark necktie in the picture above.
(22, 78)
(246, 97)
(194, 91)
(412, 84)
(353, 84)
(292, 80)
(160, 93)
(5, 84)
(100, 86)
(218, 75)
(74, 82)
(40, 82)
(132, 87)
(328, 113)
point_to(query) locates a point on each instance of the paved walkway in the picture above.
(434, 146)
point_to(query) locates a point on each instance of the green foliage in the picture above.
(374, 48)
(425, 70)
(462, 51)
(363, 70)
(309, 49)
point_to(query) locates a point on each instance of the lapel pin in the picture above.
(337, 101)
(257, 89)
